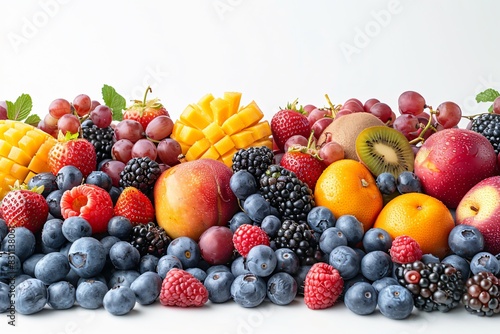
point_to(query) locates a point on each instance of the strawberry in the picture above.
(74, 151)
(25, 207)
(180, 288)
(144, 111)
(247, 236)
(134, 205)
(322, 286)
(288, 122)
(405, 249)
(90, 202)
(304, 162)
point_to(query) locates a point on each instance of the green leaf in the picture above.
(115, 101)
(490, 109)
(488, 95)
(33, 120)
(20, 109)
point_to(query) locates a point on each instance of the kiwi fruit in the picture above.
(384, 149)
(345, 129)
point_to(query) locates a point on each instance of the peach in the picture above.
(480, 207)
(452, 161)
(192, 196)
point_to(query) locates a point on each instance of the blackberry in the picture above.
(254, 159)
(299, 238)
(290, 196)
(149, 239)
(488, 125)
(101, 138)
(482, 295)
(434, 286)
(140, 173)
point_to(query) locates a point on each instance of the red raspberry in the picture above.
(247, 236)
(322, 286)
(180, 288)
(90, 202)
(405, 249)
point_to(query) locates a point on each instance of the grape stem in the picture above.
(334, 109)
(420, 138)
(148, 90)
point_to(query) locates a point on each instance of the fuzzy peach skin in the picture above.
(193, 196)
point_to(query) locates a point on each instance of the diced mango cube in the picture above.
(29, 145)
(224, 145)
(189, 135)
(13, 136)
(38, 165)
(4, 148)
(28, 177)
(233, 124)
(22, 127)
(19, 172)
(213, 132)
(6, 164)
(43, 151)
(220, 109)
(251, 114)
(233, 99)
(227, 158)
(3, 128)
(19, 156)
(211, 153)
(263, 142)
(194, 117)
(204, 103)
(260, 130)
(197, 149)
(242, 139)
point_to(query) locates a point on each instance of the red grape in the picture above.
(355, 100)
(317, 114)
(448, 114)
(168, 151)
(3, 110)
(59, 107)
(113, 168)
(50, 121)
(94, 104)
(82, 104)
(496, 105)
(295, 140)
(47, 128)
(159, 128)
(331, 152)
(354, 106)
(101, 116)
(144, 148)
(216, 245)
(382, 111)
(69, 123)
(343, 112)
(308, 108)
(369, 103)
(411, 102)
(391, 120)
(122, 150)
(129, 129)
(321, 125)
(408, 125)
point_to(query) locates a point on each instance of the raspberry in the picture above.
(247, 236)
(180, 288)
(322, 286)
(90, 202)
(405, 249)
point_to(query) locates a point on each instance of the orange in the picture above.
(347, 187)
(422, 217)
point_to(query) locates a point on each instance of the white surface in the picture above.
(273, 52)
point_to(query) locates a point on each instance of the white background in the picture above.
(273, 52)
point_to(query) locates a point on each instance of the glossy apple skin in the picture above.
(480, 207)
(193, 196)
(452, 161)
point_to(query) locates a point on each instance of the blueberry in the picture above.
(4, 297)
(465, 241)
(62, 295)
(120, 227)
(68, 177)
(52, 235)
(383, 282)
(345, 260)
(30, 263)
(243, 184)
(395, 302)
(122, 277)
(320, 218)
(90, 294)
(376, 264)
(361, 298)
(248, 290)
(459, 263)
(53, 200)
(45, 179)
(115, 192)
(287, 261)
(119, 300)
(408, 182)
(238, 219)
(261, 260)
(386, 183)
(218, 267)
(281, 288)
(484, 261)
(4, 230)
(186, 250)
(108, 242)
(256, 207)
(65, 248)
(99, 278)
(198, 273)
(239, 267)
(377, 239)
(87, 257)
(51, 268)
(271, 225)
(167, 262)
(75, 228)
(147, 287)
(148, 263)
(21, 241)
(100, 179)
(31, 296)
(124, 256)
(352, 228)
(300, 277)
(72, 278)
(331, 238)
(10, 265)
(218, 285)
(429, 258)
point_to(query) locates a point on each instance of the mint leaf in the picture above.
(488, 95)
(114, 100)
(490, 109)
(20, 109)
(33, 120)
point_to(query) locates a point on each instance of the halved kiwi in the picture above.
(384, 149)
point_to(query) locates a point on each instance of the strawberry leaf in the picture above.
(20, 109)
(114, 100)
(489, 95)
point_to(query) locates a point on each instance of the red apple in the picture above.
(216, 245)
(480, 207)
(192, 196)
(452, 161)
